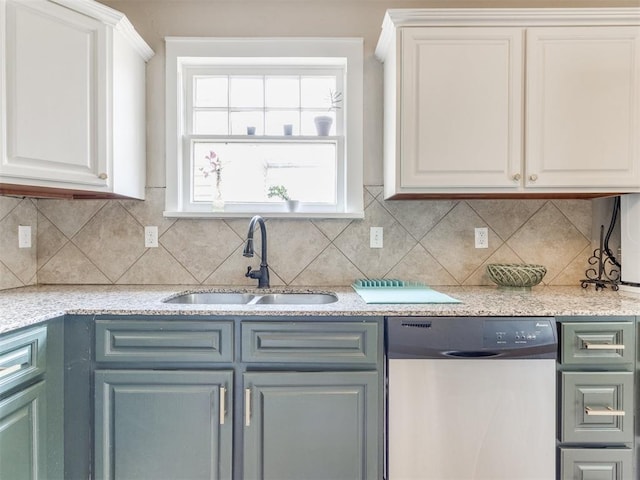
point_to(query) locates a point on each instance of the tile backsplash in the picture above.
(102, 242)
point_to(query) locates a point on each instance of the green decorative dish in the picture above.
(516, 275)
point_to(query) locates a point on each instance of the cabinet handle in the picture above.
(533, 177)
(247, 407)
(517, 177)
(602, 346)
(103, 176)
(603, 413)
(4, 371)
(223, 406)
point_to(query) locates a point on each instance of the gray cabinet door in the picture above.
(596, 463)
(163, 424)
(311, 426)
(22, 435)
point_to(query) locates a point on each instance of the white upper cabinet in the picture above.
(511, 102)
(72, 100)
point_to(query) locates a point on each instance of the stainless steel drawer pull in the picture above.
(223, 406)
(602, 346)
(4, 371)
(604, 413)
(247, 407)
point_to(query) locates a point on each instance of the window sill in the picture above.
(291, 215)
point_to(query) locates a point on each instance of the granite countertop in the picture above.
(26, 306)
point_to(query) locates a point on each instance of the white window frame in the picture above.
(186, 52)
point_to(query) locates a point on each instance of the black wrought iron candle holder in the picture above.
(606, 270)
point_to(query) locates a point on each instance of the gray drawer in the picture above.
(22, 357)
(597, 407)
(598, 343)
(596, 463)
(310, 342)
(162, 342)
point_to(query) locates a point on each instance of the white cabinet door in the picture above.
(583, 107)
(461, 108)
(55, 96)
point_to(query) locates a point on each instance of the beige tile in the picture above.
(150, 210)
(579, 214)
(233, 269)
(50, 240)
(70, 266)
(504, 254)
(157, 267)
(549, 239)
(112, 239)
(8, 279)
(330, 268)
(420, 266)
(293, 245)
(21, 261)
(7, 204)
(452, 242)
(375, 190)
(201, 246)
(505, 217)
(69, 216)
(375, 262)
(573, 273)
(332, 227)
(418, 216)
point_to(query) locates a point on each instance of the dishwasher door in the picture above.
(469, 419)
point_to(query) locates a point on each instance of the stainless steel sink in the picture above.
(235, 298)
(227, 298)
(296, 299)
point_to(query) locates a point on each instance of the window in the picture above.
(243, 125)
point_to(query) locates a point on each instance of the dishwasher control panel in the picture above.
(531, 332)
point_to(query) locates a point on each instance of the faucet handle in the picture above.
(248, 274)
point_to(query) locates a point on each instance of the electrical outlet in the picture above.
(24, 236)
(150, 237)
(482, 237)
(375, 237)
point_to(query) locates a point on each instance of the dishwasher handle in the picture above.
(472, 354)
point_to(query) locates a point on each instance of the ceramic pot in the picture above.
(323, 125)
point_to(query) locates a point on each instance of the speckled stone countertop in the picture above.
(30, 305)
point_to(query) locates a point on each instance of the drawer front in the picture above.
(310, 342)
(596, 463)
(601, 343)
(597, 407)
(22, 357)
(162, 342)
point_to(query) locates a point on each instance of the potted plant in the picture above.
(324, 122)
(280, 191)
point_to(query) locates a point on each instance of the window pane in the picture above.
(306, 170)
(315, 92)
(241, 121)
(278, 119)
(211, 122)
(246, 92)
(211, 92)
(282, 92)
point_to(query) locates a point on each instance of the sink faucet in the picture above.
(263, 274)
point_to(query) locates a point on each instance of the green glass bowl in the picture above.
(516, 275)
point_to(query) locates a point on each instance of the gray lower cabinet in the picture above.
(311, 426)
(596, 464)
(163, 424)
(597, 398)
(22, 434)
(23, 427)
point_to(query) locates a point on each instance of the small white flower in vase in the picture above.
(214, 168)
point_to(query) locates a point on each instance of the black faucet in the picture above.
(263, 274)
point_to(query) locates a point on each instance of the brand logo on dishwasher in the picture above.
(542, 324)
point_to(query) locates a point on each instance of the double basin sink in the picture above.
(237, 298)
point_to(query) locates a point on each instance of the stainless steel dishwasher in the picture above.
(470, 398)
